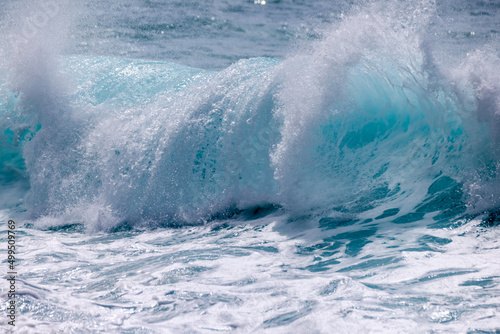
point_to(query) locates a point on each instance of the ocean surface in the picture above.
(256, 166)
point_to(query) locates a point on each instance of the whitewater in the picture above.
(251, 166)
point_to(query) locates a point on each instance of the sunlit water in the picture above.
(279, 166)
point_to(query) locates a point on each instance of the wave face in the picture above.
(363, 121)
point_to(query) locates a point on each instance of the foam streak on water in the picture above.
(248, 277)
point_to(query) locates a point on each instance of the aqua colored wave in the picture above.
(363, 123)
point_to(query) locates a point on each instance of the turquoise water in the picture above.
(278, 166)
